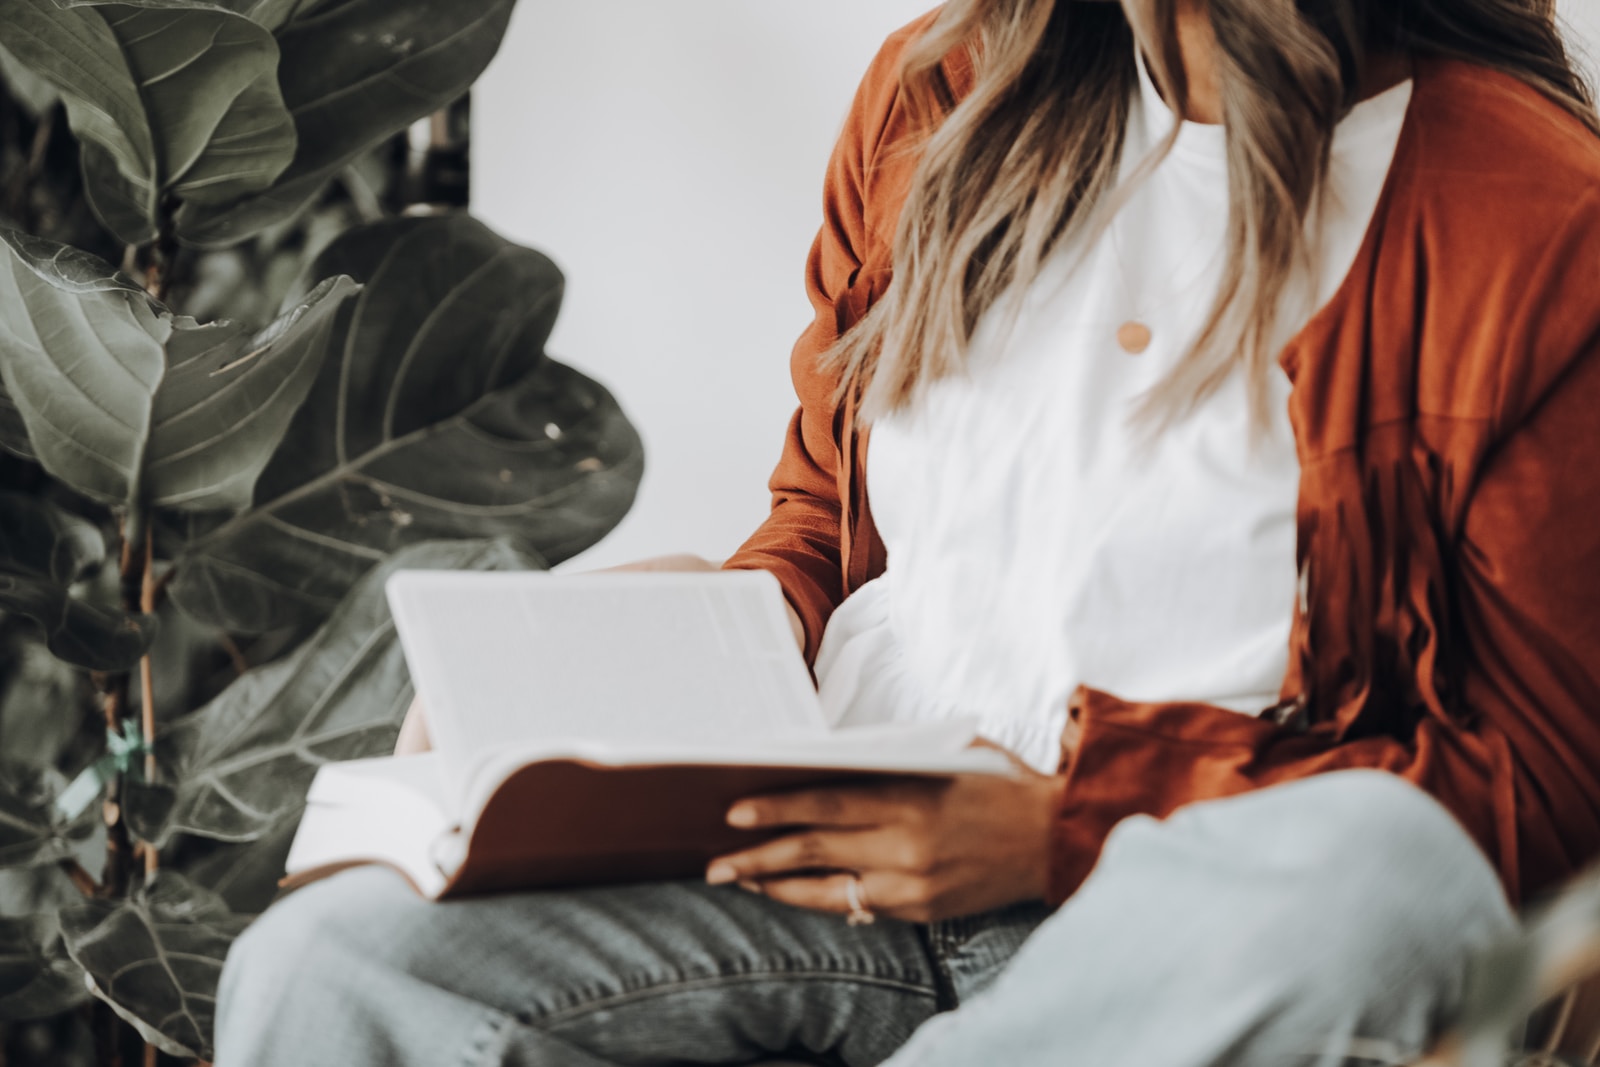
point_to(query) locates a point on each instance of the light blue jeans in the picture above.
(1322, 922)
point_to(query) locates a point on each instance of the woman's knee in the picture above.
(1365, 830)
(1379, 882)
(314, 934)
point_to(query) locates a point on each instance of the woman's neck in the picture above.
(1198, 44)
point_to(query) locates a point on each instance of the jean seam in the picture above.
(484, 1050)
(660, 989)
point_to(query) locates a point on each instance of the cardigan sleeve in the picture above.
(800, 541)
(1519, 768)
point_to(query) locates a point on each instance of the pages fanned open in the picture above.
(594, 728)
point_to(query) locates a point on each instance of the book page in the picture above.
(385, 810)
(504, 660)
(916, 749)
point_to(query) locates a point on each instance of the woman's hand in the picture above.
(924, 849)
(413, 731)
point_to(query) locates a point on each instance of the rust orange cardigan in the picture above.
(1446, 408)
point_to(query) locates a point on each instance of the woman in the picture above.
(1284, 406)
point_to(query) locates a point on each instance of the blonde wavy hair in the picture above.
(1030, 157)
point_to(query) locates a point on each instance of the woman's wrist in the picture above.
(1044, 803)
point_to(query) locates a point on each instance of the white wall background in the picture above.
(669, 155)
(1582, 17)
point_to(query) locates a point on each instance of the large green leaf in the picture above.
(439, 417)
(124, 401)
(43, 552)
(355, 72)
(167, 97)
(83, 634)
(13, 431)
(25, 87)
(156, 958)
(81, 356)
(269, 13)
(246, 875)
(229, 396)
(243, 763)
(31, 832)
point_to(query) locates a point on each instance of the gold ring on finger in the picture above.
(856, 895)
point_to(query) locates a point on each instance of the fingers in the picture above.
(413, 731)
(824, 893)
(884, 894)
(803, 852)
(841, 806)
(797, 626)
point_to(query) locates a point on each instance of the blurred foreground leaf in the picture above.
(156, 958)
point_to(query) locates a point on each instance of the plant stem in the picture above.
(114, 877)
(147, 691)
(81, 878)
(159, 277)
(241, 665)
(119, 845)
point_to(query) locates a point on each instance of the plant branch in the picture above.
(147, 690)
(159, 596)
(81, 879)
(162, 270)
(119, 844)
(114, 876)
(241, 665)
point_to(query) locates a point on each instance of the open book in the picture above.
(595, 728)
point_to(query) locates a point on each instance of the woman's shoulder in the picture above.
(1500, 196)
(1481, 130)
(883, 76)
(884, 132)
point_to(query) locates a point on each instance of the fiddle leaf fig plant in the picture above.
(459, 426)
(199, 508)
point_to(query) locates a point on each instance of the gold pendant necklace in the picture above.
(1134, 337)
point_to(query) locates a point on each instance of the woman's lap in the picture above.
(630, 974)
(1273, 928)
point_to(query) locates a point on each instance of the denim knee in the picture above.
(1363, 879)
(300, 941)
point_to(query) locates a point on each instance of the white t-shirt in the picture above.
(1036, 541)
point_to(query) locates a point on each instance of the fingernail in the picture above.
(720, 874)
(741, 815)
